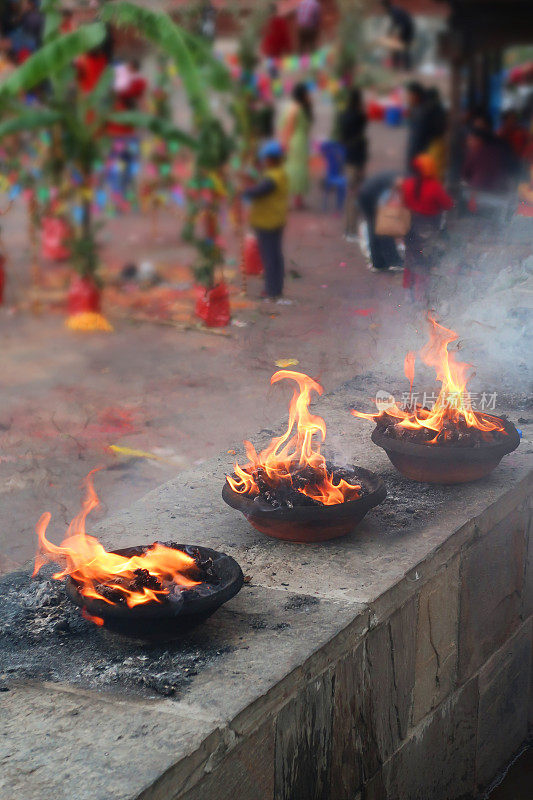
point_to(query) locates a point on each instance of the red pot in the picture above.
(83, 295)
(251, 256)
(375, 111)
(212, 305)
(55, 233)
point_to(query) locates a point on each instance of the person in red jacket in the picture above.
(89, 69)
(426, 199)
(277, 40)
(513, 134)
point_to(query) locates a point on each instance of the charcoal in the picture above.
(289, 494)
(306, 476)
(285, 496)
(144, 579)
(111, 594)
(163, 684)
(455, 433)
(340, 473)
(206, 568)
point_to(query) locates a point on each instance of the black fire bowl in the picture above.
(446, 464)
(178, 613)
(310, 523)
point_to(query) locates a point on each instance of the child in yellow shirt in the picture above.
(268, 215)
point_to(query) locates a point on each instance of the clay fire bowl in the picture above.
(154, 622)
(446, 464)
(309, 523)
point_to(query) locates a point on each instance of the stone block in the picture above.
(303, 743)
(372, 701)
(388, 690)
(247, 771)
(437, 761)
(436, 640)
(530, 704)
(492, 579)
(503, 710)
(528, 579)
(349, 726)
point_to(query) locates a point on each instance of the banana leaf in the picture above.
(169, 37)
(52, 19)
(216, 72)
(52, 58)
(97, 103)
(160, 127)
(103, 91)
(29, 121)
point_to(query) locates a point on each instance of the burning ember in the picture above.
(451, 421)
(156, 574)
(291, 471)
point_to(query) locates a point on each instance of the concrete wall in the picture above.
(426, 699)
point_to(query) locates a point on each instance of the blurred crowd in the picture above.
(477, 165)
(21, 31)
(488, 171)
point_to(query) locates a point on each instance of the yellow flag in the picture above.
(129, 451)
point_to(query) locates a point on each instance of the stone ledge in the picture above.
(330, 601)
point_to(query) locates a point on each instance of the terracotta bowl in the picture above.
(309, 523)
(176, 615)
(428, 463)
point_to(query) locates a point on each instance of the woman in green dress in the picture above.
(295, 138)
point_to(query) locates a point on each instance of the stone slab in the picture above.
(306, 607)
(72, 745)
(438, 759)
(528, 577)
(268, 636)
(492, 578)
(348, 729)
(373, 701)
(303, 743)
(503, 707)
(388, 686)
(436, 640)
(248, 771)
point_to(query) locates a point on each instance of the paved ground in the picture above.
(182, 396)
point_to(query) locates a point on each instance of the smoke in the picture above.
(482, 288)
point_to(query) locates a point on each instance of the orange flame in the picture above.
(409, 369)
(91, 618)
(293, 450)
(453, 403)
(90, 565)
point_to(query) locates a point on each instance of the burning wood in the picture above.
(154, 574)
(451, 421)
(291, 471)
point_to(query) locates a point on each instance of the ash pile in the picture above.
(44, 637)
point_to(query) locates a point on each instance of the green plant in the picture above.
(244, 89)
(199, 71)
(77, 121)
(84, 249)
